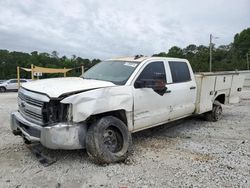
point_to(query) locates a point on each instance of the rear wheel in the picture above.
(216, 113)
(2, 89)
(108, 140)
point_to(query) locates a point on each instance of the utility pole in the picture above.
(210, 59)
(211, 51)
(247, 62)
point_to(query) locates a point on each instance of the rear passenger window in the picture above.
(180, 71)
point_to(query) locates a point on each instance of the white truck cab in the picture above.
(99, 110)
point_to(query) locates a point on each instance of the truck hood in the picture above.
(54, 87)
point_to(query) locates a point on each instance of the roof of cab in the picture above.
(133, 58)
(142, 58)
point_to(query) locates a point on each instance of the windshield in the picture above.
(117, 72)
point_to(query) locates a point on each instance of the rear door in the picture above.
(183, 89)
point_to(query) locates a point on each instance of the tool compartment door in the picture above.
(205, 93)
(237, 86)
(223, 82)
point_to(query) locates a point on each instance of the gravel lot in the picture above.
(187, 153)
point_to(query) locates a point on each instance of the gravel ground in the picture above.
(187, 153)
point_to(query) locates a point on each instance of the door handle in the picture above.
(193, 87)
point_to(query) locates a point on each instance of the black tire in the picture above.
(2, 89)
(215, 114)
(108, 141)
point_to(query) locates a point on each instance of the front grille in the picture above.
(40, 109)
(30, 108)
(30, 100)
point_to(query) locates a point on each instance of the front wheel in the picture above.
(2, 89)
(108, 140)
(215, 114)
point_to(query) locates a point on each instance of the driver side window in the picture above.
(153, 74)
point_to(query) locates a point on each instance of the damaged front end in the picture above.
(54, 111)
(48, 121)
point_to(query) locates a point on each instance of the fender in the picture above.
(101, 100)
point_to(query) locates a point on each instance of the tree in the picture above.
(242, 42)
(34, 53)
(10, 60)
(162, 54)
(175, 52)
(190, 49)
(54, 54)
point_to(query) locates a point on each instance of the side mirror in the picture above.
(159, 85)
(138, 84)
(143, 83)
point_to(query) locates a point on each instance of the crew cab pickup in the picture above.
(99, 110)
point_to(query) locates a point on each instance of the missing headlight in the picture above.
(54, 112)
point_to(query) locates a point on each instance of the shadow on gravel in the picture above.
(171, 130)
(162, 133)
(47, 157)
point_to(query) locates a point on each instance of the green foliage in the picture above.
(10, 60)
(225, 57)
(175, 52)
(242, 42)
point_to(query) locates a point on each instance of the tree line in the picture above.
(225, 58)
(10, 60)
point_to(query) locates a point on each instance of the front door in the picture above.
(151, 106)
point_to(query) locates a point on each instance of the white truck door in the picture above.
(183, 89)
(151, 106)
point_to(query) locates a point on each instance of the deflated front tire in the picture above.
(108, 140)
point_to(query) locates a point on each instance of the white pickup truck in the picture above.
(99, 110)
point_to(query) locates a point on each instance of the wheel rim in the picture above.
(112, 139)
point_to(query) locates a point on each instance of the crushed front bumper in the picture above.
(57, 136)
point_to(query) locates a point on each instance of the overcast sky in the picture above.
(108, 28)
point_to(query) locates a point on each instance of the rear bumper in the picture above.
(57, 136)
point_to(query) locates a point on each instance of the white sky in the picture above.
(108, 28)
